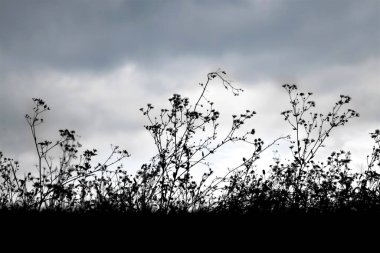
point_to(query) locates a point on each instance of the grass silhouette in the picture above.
(185, 136)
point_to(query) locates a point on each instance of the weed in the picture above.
(186, 136)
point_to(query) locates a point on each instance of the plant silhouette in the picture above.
(185, 136)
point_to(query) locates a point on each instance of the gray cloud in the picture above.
(74, 55)
(92, 35)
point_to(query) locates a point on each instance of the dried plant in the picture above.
(185, 136)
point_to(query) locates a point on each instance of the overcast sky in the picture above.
(97, 62)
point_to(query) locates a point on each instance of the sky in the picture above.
(97, 62)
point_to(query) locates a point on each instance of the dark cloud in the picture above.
(94, 35)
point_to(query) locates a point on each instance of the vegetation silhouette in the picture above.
(186, 136)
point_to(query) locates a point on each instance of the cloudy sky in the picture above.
(97, 62)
